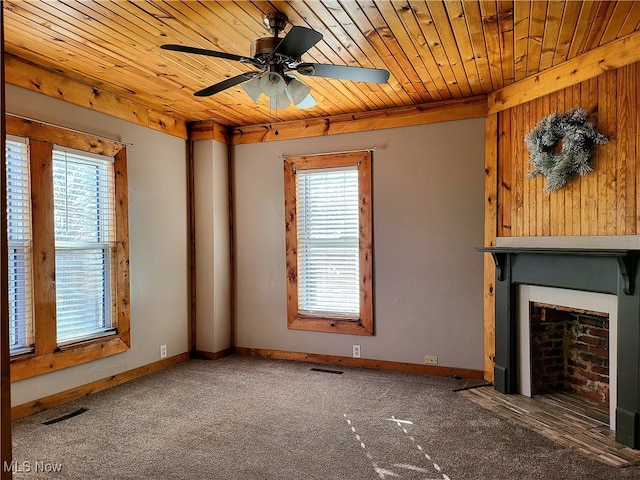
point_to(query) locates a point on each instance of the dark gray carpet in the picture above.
(252, 418)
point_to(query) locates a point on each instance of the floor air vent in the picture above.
(324, 370)
(65, 417)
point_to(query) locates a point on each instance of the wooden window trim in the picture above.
(47, 356)
(295, 319)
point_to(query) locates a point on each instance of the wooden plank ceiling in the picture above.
(434, 50)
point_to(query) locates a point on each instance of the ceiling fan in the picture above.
(274, 58)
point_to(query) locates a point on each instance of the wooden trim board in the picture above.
(490, 226)
(29, 408)
(209, 130)
(47, 357)
(41, 80)
(449, 110)
(61, 136)
(204, 355)
(362, 362)
(616, 54)
(191, 213)
(436, 112)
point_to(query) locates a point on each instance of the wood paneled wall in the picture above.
(604, 202)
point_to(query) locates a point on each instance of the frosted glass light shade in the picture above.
(280, 102)
(308, 102)
(297, 91)
(282, 92)
(272, 84)
(252, 88)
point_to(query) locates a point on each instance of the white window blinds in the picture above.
(19, 239)
(84, 212)
(328, 241)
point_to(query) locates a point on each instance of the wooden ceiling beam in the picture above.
(445, 111)
(619, 53)
(41, 80)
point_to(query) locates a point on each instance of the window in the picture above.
(67, 202)
(329, 243)
(84, 210)
(19, 246)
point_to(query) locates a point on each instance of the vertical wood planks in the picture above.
(603, 202)
(519, 155)
(625, 146)
(589, 210)
(606, 171)
(637, 177)
(543, 211)
(503, 169)
(576, 200)
(525, 185)
(558, 197)
(535, 188)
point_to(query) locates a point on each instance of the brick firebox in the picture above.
(569, 351)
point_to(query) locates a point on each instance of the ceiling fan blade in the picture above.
(342, 72)
(229, 82)
(210, 53)
(296, 42)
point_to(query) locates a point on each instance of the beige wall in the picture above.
(428, 217)
(158, 241)
(428, 183)
(211, 186)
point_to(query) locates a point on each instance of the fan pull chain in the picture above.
(271, 122)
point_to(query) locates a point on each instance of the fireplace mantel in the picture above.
(612, 271)
(626, 259)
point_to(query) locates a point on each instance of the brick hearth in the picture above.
(570, 351)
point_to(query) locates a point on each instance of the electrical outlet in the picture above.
(356, 351)
(430, 359)
(163, 351)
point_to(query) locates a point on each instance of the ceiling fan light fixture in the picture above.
(308, 102)
(272, 84)
(279, 102)
(296, 90)
(253, 88)
(273, 57)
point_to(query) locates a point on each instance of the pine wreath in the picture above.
(578, 137)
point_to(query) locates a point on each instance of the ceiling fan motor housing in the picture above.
(275, 22)
(263, 47)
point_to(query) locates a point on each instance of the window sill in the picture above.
(330, 324)
(31, 365)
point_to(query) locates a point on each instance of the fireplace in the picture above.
(610, 275)
(567, 342)
(569, 351)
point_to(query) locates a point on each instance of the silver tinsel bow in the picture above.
(578, 137)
